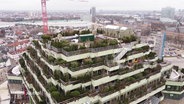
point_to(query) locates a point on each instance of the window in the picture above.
(168, 87)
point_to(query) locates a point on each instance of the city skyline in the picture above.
(87, 4)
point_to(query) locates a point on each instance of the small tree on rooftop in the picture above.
(60, 61)
(74, 64)
(56, 95)
(51, 59)
(88, 61)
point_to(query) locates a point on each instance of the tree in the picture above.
(56, 95)
(74, 64)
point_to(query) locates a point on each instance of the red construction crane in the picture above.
(44, 16)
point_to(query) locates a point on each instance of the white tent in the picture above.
(16, 71)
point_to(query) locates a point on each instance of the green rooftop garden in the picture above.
(46, 38)
(128, 39)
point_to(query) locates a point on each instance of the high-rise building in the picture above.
(168, 12)
(93, 70)
(93, 14)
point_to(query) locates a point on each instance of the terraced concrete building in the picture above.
(105, 70)
(174, 84)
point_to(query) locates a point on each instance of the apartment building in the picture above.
(103, 70)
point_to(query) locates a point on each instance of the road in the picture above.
(175, 61)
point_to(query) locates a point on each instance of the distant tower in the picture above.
(168, 12)
(93, 14)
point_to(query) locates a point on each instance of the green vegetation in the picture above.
(51, 59)
(103, 43)
(60, 61)
(128, 39)
(60, 44)
(70, 33)
(88, 61)
(22, 63)
(74, 93)
(160, 60)
(151, 55)
(33, 52)
(46, 38)
(72, 47)
(85, 32)
(36, 43)
(100, 31)
(138, 66)
(74, 64)
(56, 95)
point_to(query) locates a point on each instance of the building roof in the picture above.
(18, 51)
(18, 43)
(123, 28)
(112, 27)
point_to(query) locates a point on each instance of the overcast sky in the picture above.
(99, 4)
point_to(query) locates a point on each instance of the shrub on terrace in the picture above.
(82, 47)
(110, 57)
(74, 93)
(51, 59)
(32, 52)
(100, 31)
(113, 42)
(60, 61)
(57, 74)
(151, 55)
(56, 95)
(175, 67)
(60, 44)
(103, 43)
(128, 39)
(138, 66)
(145, 48)
(88, 61)
(52, 88)
(146, 71)
(182, 70)
(130, 79)
(22, 63)
(138, 76)
(70, 33)
(46, 38)
(36, 44)
(72, 47)
(85, 32)
(160, 60)
(98, 59)
(85, 78)
(74, 64)
(105, 89)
